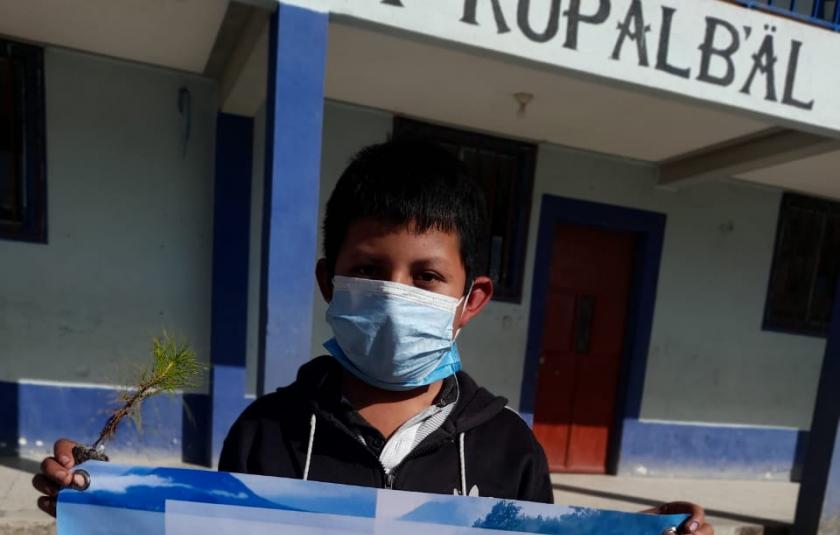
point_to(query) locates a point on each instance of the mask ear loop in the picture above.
(463, 301)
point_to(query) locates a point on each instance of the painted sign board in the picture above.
(126, 500)
(708, 50)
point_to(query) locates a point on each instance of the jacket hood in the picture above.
(319, 380)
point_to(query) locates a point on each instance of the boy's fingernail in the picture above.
(693, 526)
(79, 480)
(65, 460)
(62, 475)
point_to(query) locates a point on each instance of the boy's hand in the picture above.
(696, 523)
(56, 473)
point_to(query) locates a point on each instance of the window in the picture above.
(505, 170)
(820, 12)
(806, 265)
(22, 144)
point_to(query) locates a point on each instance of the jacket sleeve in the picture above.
(536, 481)
(237, 446)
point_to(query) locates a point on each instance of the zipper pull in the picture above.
(389, 480)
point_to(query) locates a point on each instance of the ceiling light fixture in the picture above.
(523, 99)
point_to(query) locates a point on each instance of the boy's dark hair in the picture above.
(406, 181)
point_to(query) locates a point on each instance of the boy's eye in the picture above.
(363, 271)
(429, 277)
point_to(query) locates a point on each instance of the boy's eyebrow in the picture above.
(356, 256)
(437, 259)
(371, 256)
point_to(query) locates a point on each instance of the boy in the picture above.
(389, 407)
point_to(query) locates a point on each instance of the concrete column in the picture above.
(231, 231)
(818, 508)
(294, 117)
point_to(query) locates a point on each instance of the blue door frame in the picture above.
(650, 228)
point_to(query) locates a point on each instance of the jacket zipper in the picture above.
(390, 478)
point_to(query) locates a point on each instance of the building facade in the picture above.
(660, 177)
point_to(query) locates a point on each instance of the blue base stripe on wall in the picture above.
(35, 415)
(39, 414)
(707, 451)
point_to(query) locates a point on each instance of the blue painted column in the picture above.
(294, 117)
(231, 238)
(818, 508)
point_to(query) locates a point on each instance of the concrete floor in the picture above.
(734, 507)
(18, 512)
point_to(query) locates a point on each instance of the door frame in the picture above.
(650, 228)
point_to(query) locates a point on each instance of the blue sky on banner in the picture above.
(131, 499)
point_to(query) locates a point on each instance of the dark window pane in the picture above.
(796, 263)
(11, 200)
(504, 169)
(22, 143)
(806, 265)
(825, 282)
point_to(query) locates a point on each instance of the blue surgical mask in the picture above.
(390, 335)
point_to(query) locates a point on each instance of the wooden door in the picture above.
(582, 345)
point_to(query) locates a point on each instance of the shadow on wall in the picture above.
(8, 418)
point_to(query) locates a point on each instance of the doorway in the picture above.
(594, 289)
(584, 324)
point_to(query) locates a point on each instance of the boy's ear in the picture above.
(482, 292)
(322, 275)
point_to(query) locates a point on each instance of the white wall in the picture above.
(709, 359)
(129, 225)
(130, 236)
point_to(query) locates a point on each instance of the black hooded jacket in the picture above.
(481, 446)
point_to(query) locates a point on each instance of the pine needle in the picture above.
(174, 367)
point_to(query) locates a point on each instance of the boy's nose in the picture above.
(408, 281)
(399, 276)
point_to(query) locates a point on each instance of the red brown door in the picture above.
(583, 336)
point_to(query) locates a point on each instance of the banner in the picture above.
(142, 500)
(706, 50)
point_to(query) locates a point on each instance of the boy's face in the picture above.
(430, 260)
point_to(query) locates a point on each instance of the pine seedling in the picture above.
(174, 367)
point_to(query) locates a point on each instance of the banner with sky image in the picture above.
(123, 500)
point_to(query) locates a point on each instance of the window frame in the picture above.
(526, 154)
(801, 327)
(32, 119)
